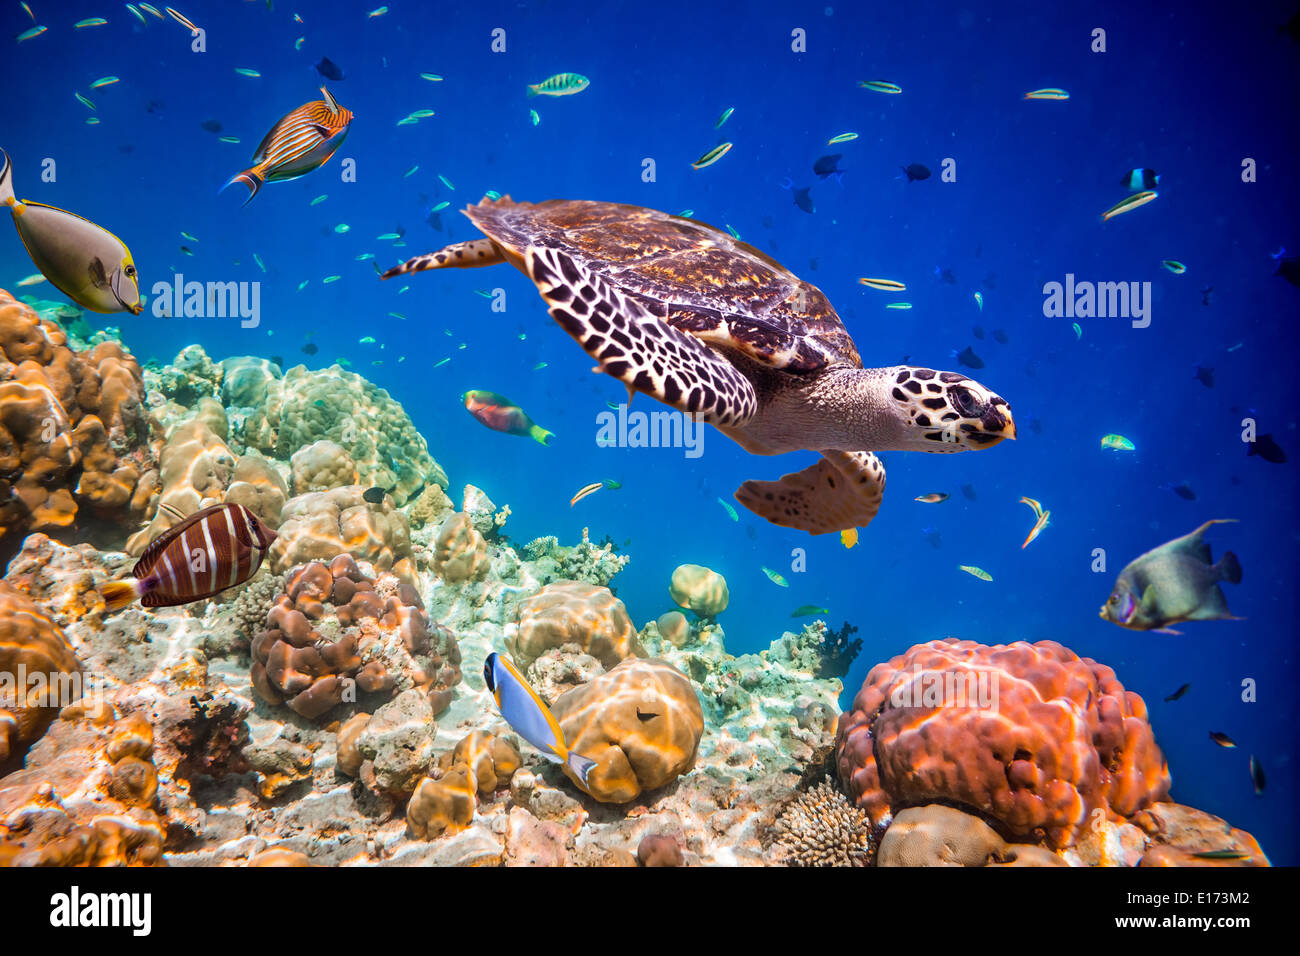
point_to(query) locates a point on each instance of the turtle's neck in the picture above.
(846, 409)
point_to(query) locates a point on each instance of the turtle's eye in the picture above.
(967, 403)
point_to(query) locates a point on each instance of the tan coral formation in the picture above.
(641, 723)
(699, 589)
(573, 612)
(336, 631)
(37, 668)
(821, 828)
(66, 415)
(87, 797)
(321, 524)
(459, 551)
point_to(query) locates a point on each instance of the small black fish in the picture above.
(1265, 447)
(374, 495)
(310, 348)
(1223, 740)
(1001, 336)
(212, 126)
(1177, 695)
(644, 717)
(329, 69)
(804, 201)
(978, 331)
(1205, 376)
(916, 172)
(1257, 775)
(946, 275)
(1288, 267)
(828, 166)
(187, 250)
(968, 491)
(1184, 491)
(1206, 294)
(968, 358)
(812, 263)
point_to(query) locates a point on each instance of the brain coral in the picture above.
(459, 551)
(1062, 738)
(375, 430)
(335, 630)
(35, 660)
(573, 612)
(322, 524)
(641, 723)
(322, 465)
(73, 431)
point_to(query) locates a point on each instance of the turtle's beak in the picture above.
(998, 421)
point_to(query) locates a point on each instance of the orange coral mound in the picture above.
(73, 429)
(1062, 739)
(36, 665)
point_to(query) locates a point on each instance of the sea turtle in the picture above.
(704, 323)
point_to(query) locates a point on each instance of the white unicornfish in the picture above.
(85, 262)
(529, 716)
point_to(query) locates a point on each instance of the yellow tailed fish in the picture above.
(842, 138)
(1116, 443)
(136, 13)
(1048, 93)
(977, 572)
(1129, 203)
(529, 716)
(85, 262)
(1174, 266)
(89, 22)
(181, 19)
(301, 141)
(33, 32)
(1040, 524)
(880, 86)
(152, 9)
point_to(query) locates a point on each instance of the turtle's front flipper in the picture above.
(458, 255)
(841, 491)
(635, 347)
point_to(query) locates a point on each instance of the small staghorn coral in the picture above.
(821, 828)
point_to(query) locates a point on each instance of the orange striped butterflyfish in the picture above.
(211, 550)
(303, 140)
(529, 717)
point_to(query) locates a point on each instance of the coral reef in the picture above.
(594, 564)
(641, 723)
(460, 550)
(73, 434)
(837, 651)
(1065, 738)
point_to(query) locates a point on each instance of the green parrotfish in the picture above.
(1177, 581)
(500, 414)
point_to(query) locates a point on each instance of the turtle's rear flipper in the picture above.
(643, 352)
(458, 255)
(841, 491)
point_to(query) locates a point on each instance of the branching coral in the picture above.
(837, 651)
(821, 828)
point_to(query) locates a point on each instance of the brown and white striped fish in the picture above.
(211, 550)
(303, 140)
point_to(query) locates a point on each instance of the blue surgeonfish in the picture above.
(85, 262)
(529, 716)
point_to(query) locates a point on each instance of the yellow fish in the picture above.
(849, 537)
(585, 490)
(1040, 524)
(85, 262)
(978, 572)
(884, 285)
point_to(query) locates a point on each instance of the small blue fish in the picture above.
(529, 717)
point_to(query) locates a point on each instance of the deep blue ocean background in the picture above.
(1187, 91)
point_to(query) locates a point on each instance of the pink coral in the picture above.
(1062, 739)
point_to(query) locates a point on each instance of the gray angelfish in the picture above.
(1177, 581)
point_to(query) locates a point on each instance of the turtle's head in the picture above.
(947, 412)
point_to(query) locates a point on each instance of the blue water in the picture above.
(1186, 93)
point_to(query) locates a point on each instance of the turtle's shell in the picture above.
(691, 275)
